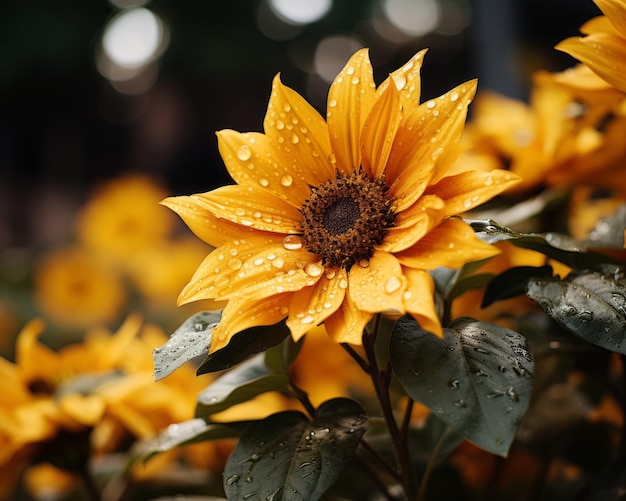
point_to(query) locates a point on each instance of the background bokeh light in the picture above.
(93, 90)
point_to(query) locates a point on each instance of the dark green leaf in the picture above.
(279, 357)
(478, 379)
(190, 340)
(243, 345)
(187, 432)
(240, 385)
(287, 457)
(513, 282)
(554, 245)
(590, 304)
(470, 283)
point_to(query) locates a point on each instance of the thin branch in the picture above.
(380, 460)
(357, 358)
(406, 422)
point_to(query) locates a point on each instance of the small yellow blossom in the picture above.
(334, 220)
(75, 288)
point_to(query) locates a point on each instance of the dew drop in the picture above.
(258, 261)
(355, 80)
(343, 283)
(455, 384)
(332, 103)
(280, 125)
(286, 180)
(431, 104)
(392, 285)
(232, 479)
(244, 153)
(264, 182)
(313, 269)
(293, 242)
(454, 96)
(364, 263)
(308, 319)
(295, 139)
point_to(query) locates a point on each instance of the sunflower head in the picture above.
(335, 219)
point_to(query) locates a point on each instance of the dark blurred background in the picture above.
(92, 89)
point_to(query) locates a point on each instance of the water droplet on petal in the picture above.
(364, 263)
(392, 285)
(332, 103)
(313, 269)
(293, 242)
(286, 180)
(307, 320)
(431, 104)
(454, 95)
(244, 153)
(264, 182)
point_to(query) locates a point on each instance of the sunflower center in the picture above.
(345, 218)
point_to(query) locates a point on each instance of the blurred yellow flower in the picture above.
(603, 48)
(332, 221)
(571, 132)
(75, 288)
(101, 389)
(123, 217)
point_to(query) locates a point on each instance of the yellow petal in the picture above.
(251, 160)
(467, 190)
(598, 23)
(221, 266)
(242, 313)
(299, 134)
(379, 131)
(312, 305)
(413, 223)
(425, 142)
(604, 53)
(346, 325)
(452, 244)
(274, 270)
(419, 300)
(377, 285)
(407, 80)
(350, 99)
(252, 207)
(34, 359)
(615, 11)
(85, 409)
(194, 212)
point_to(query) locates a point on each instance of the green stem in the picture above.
(381, 380)
(357, 358)
(303, 398)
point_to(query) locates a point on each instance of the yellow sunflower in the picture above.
(334, 220)
(603, 48)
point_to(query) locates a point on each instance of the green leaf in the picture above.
(560, 247)
(187, 432)
(279, 357)
(239, 385)
(288, 457)
(243, 345)
(190, 340)
(513, 282)
(478, 379)
(590, 304)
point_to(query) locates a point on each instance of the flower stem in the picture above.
(381, 379)
(93, 494)
(430, 466)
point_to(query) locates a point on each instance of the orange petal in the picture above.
(604, 53)
(379, 285)
(452, 244)
(194, 211)
(379, 131)
(269, 270)
(350, 99)
(426, 142)
(85, 409)
(312, 305)
(413, 223)
(242, 313)
(251, 160)
(419, 300)
(467, 190)
(346, 325)
(407, 80)
(253, 208)
(299, 134)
